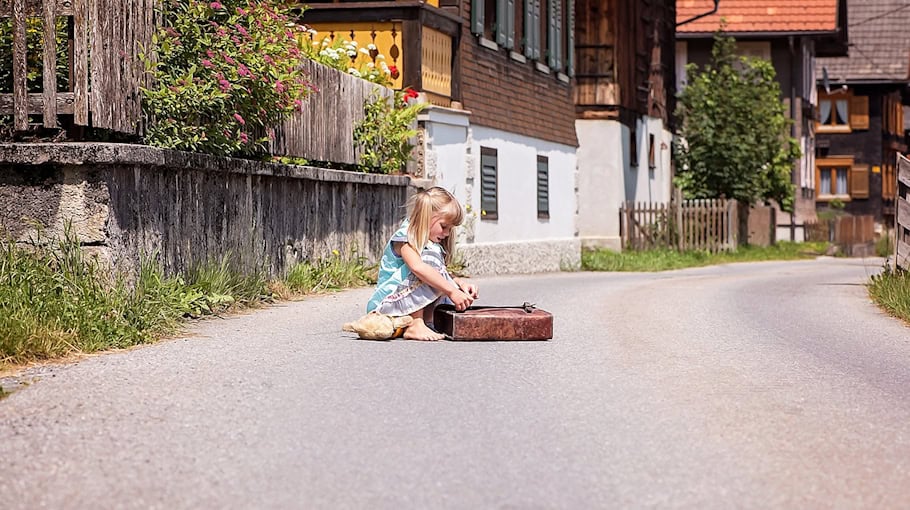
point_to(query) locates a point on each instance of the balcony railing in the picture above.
(417, 40)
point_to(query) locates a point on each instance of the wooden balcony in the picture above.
(418, 40)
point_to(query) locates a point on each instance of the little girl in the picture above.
(413, 277)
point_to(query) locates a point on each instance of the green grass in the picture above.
(890, 290)
(664, 260)
(56, 301)
(333, 273)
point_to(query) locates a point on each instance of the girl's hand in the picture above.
(460, 299)
(468, 288)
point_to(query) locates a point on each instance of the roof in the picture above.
(879, 43)
(759, 16)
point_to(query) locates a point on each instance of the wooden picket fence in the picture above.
(104, 77)
(902, 216)
(106, 33)
(703, 225)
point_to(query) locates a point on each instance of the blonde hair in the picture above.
(422, 207)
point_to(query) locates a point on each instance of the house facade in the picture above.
(860, 126)
(624, 101)
(499, 132)
(791, 34)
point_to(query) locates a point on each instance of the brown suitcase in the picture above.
(524, 322)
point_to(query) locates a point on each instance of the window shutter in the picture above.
(570, 51)
(489, 208)
(558, 42)
(502, 24)
(551, 34)
(535, 30)
(477, 17)
(529, 28)
(859, 181)
(543, 187)
(859, 112)
(510, 24)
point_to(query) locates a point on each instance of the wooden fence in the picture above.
(902, 216)
(709, 225)
(104, 76)
(322, 129)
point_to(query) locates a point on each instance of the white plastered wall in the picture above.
(607, 177)
(517, 241)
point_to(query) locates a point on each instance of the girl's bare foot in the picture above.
(418, 330)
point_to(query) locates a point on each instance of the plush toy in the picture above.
(376, 326)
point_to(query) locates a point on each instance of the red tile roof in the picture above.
(759, 15)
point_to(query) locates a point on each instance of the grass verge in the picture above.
(890, 290)
(664, 260)
(55, 301)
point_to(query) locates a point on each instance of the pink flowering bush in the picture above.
(224, 74)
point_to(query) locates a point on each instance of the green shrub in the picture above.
(225, 73)
(384, 134)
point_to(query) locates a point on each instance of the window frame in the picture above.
(831, 164)
(833, 97)
(486, 212)
(543, 187)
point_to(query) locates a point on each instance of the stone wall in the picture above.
(126, 201)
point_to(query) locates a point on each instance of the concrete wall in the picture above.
(607, 177)
(125, 201)
(518, 241)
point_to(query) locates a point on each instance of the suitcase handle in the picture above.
(527, 307)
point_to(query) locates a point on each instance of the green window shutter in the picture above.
(551, 34)
(510, 24)
(501, 23)
(543, 187)
(558, 43)
(570, 51)
(535, 30)
(489, 203)
(529, 28)
(477, 17)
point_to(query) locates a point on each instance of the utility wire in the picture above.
(878, 16)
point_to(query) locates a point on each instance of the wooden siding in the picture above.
(625, 58)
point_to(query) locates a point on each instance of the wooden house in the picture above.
(791, 34)
(624, 101)
(860, 122)
(500, 133)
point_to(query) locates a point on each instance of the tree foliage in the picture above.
(734, 139)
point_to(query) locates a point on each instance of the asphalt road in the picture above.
(768, 385)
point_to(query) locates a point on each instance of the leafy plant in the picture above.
(890, 290)
(224, 74)
(735, 139)
(384, 134)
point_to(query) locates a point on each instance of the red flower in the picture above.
(393, 71)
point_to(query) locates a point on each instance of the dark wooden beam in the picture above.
(359, 12)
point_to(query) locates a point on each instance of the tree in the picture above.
(734, 140)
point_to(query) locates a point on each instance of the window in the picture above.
(542, 29)
(543, 187)
(489, 206)
(840, 178)
(842, 112)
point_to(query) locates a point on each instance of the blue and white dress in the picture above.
(398, 290)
